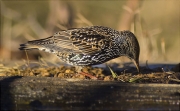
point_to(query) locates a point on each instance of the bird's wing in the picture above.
(83, 40)
(86, 40)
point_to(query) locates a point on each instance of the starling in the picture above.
(89, 45)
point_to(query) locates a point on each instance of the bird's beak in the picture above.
(136, 63)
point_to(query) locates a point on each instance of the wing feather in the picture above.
(86, 40)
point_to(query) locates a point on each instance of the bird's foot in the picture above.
(88, 75)
(85, 72)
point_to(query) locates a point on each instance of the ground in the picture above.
(108, 73)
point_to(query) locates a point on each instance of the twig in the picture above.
(168, 72)
(174, 80)
(27, 57)
(125, 71)
(147, 66)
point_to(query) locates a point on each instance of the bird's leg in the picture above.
(79, 71)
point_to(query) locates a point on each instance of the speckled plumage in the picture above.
(89, 45)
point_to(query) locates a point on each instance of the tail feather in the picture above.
(47, 40)
(36, 44)
(27, 46)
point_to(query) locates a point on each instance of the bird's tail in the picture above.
(27, 46)
(36, 44)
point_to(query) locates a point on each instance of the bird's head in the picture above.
(134, 52)
(129, 46)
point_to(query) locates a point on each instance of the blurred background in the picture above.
(156, 23)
